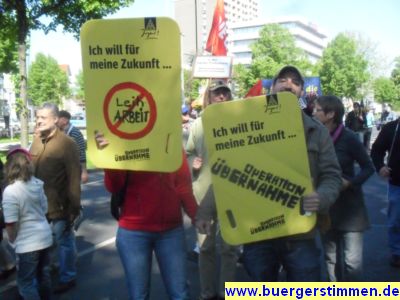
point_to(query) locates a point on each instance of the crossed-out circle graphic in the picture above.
(130, 111)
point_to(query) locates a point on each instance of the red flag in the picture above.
(256, 90)
(218, 34)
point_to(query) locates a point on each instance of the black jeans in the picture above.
(367, 138)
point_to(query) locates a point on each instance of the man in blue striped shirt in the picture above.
(64, 124)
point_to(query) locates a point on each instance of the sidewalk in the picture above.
(4, 147)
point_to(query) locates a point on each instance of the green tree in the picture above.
(396, 72)
(8, 52)
(23, 16)
(243, 79)
(368, 49)
(385, 90)
(46, 81)
(343, 68)
(395, 76)
(275, 48)
(80, 86)
(191, 85)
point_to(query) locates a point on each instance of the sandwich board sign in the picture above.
(132, 81)
(259, 167)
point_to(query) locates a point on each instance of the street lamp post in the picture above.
(195, 24)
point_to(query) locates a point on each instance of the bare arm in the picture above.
(84, 173)
(11, 229)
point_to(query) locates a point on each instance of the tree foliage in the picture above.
(343, 68)
(396, 72)
(191, 85)
(368, 49)
(80, 86)
(8, 52)
(275, 48)
(47, 82)
(385, 90)
(23, 16)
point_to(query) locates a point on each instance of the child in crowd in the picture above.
(7, 264)
(25, 206)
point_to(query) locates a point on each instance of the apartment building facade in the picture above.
(307, 37)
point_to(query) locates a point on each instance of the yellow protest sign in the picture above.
(132, 70)
(259, 166)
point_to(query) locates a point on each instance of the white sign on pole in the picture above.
(212, 67)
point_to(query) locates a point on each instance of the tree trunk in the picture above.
(24, 114)
(23, 100)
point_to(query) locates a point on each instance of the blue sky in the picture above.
(375, 20)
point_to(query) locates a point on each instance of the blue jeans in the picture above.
(343, 247)
(136, 248)
(300, 259)
(33, 274)
(394, 218)
(66, 250)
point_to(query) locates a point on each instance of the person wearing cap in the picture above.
(299, 254)
(56, 160)
(25, 207)
(217, 92)
(65, 125)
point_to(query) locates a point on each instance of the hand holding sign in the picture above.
(197, 163)
(311, 202)
(203, 226)
(101, 142)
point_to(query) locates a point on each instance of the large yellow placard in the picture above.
(259, 166)
(132, 81)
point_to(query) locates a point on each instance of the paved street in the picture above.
(101, 276)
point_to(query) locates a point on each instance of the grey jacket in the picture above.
(324, 166)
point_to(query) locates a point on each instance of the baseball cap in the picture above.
(289, 69)
(218, 83)
(19, 149)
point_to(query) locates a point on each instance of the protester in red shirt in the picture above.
(151, 221)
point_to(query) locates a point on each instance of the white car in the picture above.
(79, 121)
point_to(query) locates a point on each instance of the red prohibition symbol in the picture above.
(143, 95)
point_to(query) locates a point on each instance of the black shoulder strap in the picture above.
(393, 140)
(123, 191)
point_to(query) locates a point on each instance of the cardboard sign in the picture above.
(259, 166)
(212, 67)
(132, 80)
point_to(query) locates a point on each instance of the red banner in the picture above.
(256, 90)
(216, 39)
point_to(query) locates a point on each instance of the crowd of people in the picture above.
(362, 119)
(342, 143)
(41, 201)
(42, 187)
